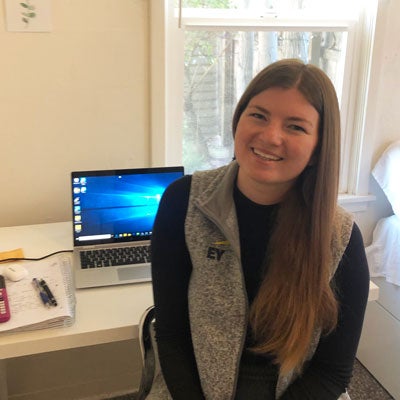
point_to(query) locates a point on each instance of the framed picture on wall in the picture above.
(28, 15)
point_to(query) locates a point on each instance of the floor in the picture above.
(362, 387)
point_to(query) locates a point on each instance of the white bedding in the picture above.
(384, 253)
(386, 173)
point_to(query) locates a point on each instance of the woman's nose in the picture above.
(273, 133)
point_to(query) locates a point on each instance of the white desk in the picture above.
(123, 305)
(103, 315)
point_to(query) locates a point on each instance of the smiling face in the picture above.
(275, 139)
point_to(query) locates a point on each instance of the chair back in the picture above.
(148, 352)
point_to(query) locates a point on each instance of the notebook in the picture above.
(114, 211)
(27, 309)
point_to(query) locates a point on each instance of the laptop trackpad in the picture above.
(130, 273)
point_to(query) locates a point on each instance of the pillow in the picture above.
(387, 174)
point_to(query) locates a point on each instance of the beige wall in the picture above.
(75, 98)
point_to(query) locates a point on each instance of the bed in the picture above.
(379, 348)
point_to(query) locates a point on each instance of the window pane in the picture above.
(218, 67)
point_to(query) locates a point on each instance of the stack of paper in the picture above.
(27, 309)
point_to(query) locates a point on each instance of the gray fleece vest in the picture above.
(218, 304)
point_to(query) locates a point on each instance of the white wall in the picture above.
(384, 93)
(383, 119)
(75, 98)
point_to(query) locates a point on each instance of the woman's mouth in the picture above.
(266, 156)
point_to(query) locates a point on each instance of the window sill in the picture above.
(355, 203)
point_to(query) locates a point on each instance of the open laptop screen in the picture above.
(117, 205)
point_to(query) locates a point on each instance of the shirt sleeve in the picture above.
(171, 269)
(329, 372)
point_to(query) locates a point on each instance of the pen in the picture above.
(50, 295)
(42, 294)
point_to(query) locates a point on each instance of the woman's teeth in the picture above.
(268, 157)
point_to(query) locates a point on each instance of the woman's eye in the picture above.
(257, 115)
(297, 128)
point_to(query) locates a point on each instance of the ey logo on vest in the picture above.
(215, 253)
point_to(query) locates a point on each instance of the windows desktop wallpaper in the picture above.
(123, 206)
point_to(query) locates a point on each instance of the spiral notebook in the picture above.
(27, 309)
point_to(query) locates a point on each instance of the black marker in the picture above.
(50, 295)
(42, 294)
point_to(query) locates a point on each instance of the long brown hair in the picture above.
(295, 298)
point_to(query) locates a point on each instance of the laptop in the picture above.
(113, 212)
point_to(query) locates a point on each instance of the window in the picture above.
(213, 48)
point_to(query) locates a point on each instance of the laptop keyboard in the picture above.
(115, 256)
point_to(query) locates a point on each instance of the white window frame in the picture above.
(167, 87)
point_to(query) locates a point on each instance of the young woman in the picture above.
(260, 280)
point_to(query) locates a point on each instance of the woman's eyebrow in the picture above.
(259, 108)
